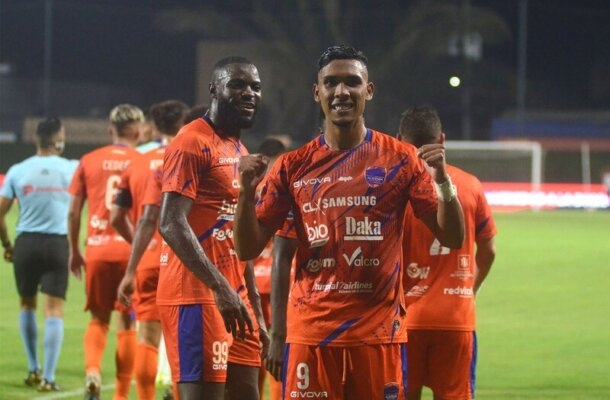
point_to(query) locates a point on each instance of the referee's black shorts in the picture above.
(41, 259)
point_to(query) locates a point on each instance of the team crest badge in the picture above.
(375, 176)
(390, 391)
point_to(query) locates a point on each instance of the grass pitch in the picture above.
(543, 319)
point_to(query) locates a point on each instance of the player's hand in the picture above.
(433, 156)
(252, 170)
(76, 262)
(275, 358)
(8, 253)
(233, 311)
(125, 290)
(265, 340)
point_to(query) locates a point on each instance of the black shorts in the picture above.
(41, 259)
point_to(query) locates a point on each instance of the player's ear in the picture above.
(441, 138)
(213, 90)
(370, 89)
(315, 91)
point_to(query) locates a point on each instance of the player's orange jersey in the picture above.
(439, 281)
(201, 165)
(97, 178)
(348, 211)
(135, 181)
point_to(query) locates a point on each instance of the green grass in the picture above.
(543, 325)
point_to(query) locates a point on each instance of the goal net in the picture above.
(501, 161)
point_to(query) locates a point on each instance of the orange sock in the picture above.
(145, 370)
(124, 360)
(94, 343)
(176, 391)
(275, 388)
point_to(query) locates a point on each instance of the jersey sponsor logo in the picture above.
(28, 189)
(222, 234)
(156, 163)
(98, 223)
(235, 184)
(164, 258)
(317, 235)
(375, 176)
(115, 165)
(342, 201)
(414, 271)
(227, 211)
(311, 181)
(357, 260)
(461, 291)
(345, 178)
(417, 291)
(297, 394)
(228, 160)
(463, 270)
(343, 287)
(365, 229)
(316, 264)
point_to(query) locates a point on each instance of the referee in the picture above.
(40, 252)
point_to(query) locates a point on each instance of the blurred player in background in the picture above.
(142, 273)
(272, 148)
(40, 254)
(441, 283)
(95, 181)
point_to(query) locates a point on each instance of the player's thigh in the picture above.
(54, 279)
(196, 342)
(27, 264)
(313, 372)
(452, 365)
(242, 382)
(376, 372)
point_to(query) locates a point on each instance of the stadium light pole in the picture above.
(521, 66)
(48, 56)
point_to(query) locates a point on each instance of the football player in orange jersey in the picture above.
(95, 181)
(209, 307)
(348, 190)
(168, 117)
(441, 283)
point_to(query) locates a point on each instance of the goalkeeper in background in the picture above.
(441, 283)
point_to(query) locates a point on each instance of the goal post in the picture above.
(499, 161)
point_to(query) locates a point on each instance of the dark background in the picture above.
(144, 51)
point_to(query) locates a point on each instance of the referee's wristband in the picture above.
(445, 191)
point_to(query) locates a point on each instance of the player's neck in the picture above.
(127, 142)
(46, 152)
(344, 137)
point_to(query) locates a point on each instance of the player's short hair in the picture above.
(46, 129)
(222, 64)
(125, 114)
(169, 116)
(341, 52)
(271, 147)
(420, 125)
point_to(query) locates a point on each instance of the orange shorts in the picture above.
(338, 373)
(102, 281)
(248, 351)
(444, 361)
(145, 296)
(196, 342)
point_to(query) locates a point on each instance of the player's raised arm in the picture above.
(448, 226)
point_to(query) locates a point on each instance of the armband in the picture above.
(445, 191)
